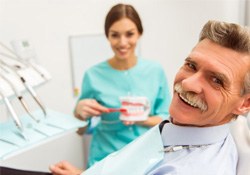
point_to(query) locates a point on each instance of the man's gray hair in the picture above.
(232, 36)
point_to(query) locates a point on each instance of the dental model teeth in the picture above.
(137, 108)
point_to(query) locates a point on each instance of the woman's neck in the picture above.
(122, 64)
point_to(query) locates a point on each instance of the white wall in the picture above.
(247, 13)
(171, 30)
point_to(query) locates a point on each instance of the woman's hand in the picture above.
(127, 123)
(64, 168)
(87, 108)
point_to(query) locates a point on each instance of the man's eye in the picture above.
(217, 81)
(191, 66)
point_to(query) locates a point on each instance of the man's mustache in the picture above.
(191, 98)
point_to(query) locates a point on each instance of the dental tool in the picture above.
(14, 69)
(13, 115)
(7, 141)
(19, 96)
(34, 95)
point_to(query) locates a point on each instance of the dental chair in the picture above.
(240, 129)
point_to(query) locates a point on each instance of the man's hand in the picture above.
(64, 168)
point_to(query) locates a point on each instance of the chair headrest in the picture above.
(240, 131)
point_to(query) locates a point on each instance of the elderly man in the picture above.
(211, 89)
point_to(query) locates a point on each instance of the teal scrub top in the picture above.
(106, 84)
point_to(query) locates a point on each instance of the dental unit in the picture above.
(18, 95)
(14, 69)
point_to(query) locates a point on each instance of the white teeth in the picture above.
(122, 50)
(195, 102)
(135, 109)
(189, 102)
(190, 98)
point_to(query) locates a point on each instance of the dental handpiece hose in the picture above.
(13, 115)
(32, 92)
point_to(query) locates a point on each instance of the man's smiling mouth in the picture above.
(187, 101)
(190, 98)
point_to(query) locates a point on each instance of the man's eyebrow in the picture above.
(188, 59)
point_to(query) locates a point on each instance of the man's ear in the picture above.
(244, 106)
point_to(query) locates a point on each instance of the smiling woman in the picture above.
(124, 74)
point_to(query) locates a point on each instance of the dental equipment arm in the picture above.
(19, 59)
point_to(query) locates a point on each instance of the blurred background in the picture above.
(171, 30)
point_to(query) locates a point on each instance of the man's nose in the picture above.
(193, 83)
